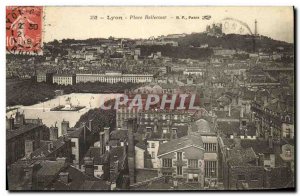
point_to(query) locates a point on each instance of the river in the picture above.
(50, 118)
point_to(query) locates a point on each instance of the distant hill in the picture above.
(183, 52)
(194, 46)
(190, 46)
(233, 41)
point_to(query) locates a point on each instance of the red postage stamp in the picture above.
(24, 30)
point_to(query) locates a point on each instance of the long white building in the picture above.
(114, 77)
(64, 79)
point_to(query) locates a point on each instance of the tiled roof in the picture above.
(182, 130)
(190, 140)
(76, 179)
(259, 146)
(50, 168)
(141, 145)
(23, 129)
(201, 126)
(44, 151)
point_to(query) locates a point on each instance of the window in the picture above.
(179, 170)
(210, 168)
(244, 123)
(179, 156)
(267, 156)
(95, 167)
(241, 177)
(210, 147)
(214, 147)
(152, 155)
(193, 163)
(193, 177)
(167, 163)
(152, 145)
(73, 144)
(149, 129)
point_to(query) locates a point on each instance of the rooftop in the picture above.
(79, 181)
(241, 156)
(44, 151)
(21, 130)
(183, 142)
(50, 168)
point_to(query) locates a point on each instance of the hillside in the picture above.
(233, 41)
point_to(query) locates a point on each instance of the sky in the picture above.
(75, 22)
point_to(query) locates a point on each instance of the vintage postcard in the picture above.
(150, 98)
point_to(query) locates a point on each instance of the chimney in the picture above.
(19, 118)
(64, 127)
(229, 110)
(61, 159)
(106, 135)
(260, 159)
(30, 170)
(50, 146)
(10, 123)
(155, 126)
(131, 151)
(89, 166)
(53, 133)
(29, 147)
(270, 140)
(90, 125)
(84, 132)
(242, 112)
(64, 177)
(102, 143)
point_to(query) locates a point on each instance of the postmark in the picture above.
(24, 30)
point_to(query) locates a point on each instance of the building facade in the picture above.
(114, 77)
(64, 79)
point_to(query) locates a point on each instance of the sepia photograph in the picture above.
(144, 98)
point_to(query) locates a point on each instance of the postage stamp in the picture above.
(24, 29)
